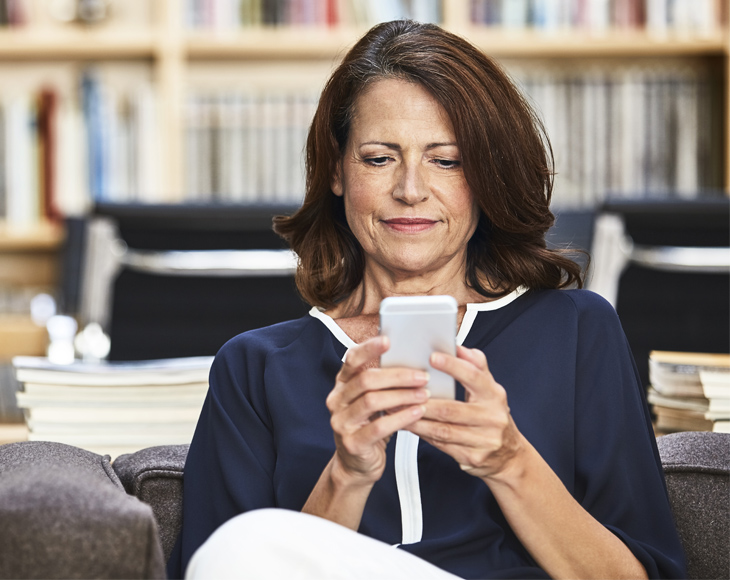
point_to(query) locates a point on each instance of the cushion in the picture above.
(697, 470)
(155, 475)
(65, 515)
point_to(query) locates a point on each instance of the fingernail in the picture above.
(419, 410)
(437, 358)
(423, 394)
(422, 376)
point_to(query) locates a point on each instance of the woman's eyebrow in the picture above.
(434, 145)
(383, 143)
(398, 147)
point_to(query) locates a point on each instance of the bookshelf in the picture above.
(147, 41)
(155, 36)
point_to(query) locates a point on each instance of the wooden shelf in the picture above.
(259, 43)
(29, 256)
(304, 43)
(582, 45)
(20, 336)
(45, 236)
(312, 43)
(76, 44)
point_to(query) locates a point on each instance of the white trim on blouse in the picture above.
(406, 444)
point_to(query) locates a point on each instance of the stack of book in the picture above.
(679, 398)
(716, 386)
(112, 408)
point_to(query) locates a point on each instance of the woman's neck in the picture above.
(377, 284)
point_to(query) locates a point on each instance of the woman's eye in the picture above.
(377, 161)
(447, 163)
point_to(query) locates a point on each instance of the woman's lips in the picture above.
(410, 225)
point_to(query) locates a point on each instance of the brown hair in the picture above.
(506, 158)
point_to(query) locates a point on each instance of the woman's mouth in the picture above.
(410, 225)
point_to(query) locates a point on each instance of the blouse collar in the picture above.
(472, 309)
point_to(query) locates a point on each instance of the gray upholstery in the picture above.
(64, 515)
(697, 470)
(696, 465)
(154, 475)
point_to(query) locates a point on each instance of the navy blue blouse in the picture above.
(264, 437)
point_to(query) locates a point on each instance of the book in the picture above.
(670, 420)
(151, 372)
(112, 407)
(700, 405)
(47, 112)
(678, 373)
(48, 391)
(716, 383)
(59, 401)
(659, 17)
(106, 415)
(681, 400)
(719, 406)
(716, 386)
(22, 203)
(130, 439)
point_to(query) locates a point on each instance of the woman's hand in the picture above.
(480, 433)
(563, 538)
(369, 404)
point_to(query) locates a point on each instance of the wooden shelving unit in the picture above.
(76, 44)
(172, 50)
(28, 258)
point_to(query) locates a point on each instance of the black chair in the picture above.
(180, 280)
(665, 265)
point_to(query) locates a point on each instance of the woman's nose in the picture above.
(411, 187)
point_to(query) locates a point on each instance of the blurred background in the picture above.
(146, 144)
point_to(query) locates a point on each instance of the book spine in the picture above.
(22, 203)
(47, 123)
(659, 17)
(4, 160)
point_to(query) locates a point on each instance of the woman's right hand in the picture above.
(367, 405)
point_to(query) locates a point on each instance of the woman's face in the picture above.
(406, 199)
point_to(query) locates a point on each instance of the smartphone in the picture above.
(417, 326)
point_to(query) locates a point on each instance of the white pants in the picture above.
(277, 543)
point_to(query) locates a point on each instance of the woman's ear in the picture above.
(336, 182)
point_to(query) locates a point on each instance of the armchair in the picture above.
(65, 513)
(696, 466)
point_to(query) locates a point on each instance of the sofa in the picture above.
(69, 513)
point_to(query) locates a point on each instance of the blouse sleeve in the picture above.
(231, 459)
(619, 479)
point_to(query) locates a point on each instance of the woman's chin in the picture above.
(413, 267)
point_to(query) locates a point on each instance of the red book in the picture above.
(333, 18)
(47, 106)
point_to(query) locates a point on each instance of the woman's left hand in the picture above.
(479, 433)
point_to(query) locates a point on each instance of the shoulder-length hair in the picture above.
(505, 153)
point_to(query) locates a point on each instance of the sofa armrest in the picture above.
(697, 470)
(65, 515)
(155, 476)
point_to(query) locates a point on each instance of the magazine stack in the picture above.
(689, 391)
(112, 408)
(716, 386)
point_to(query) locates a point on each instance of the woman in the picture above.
(429, 174)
